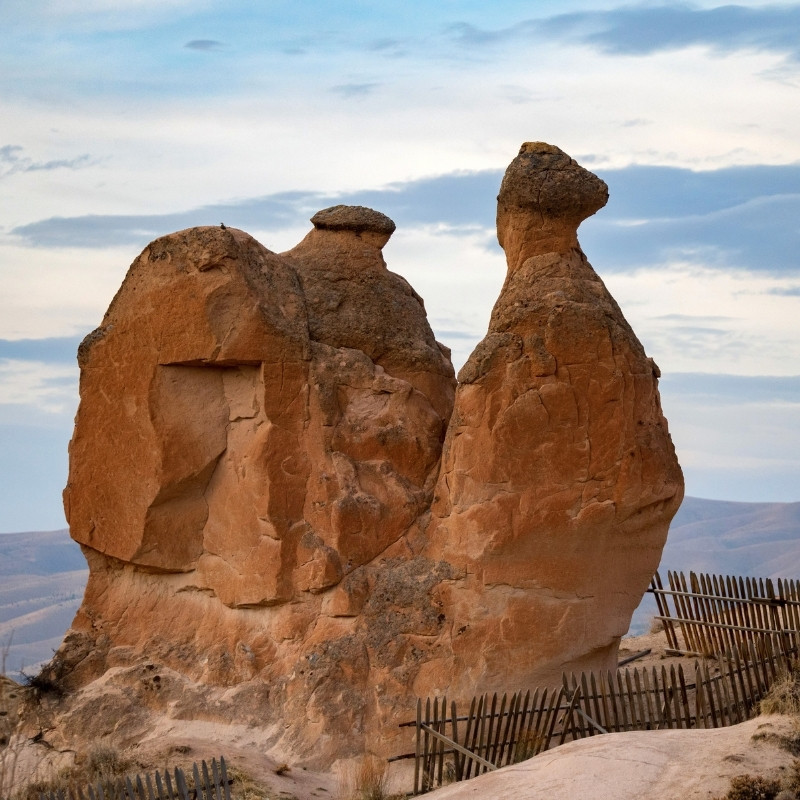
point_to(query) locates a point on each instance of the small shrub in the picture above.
(102, 765)
(366, 781)
(245, 787)
(752, 787)
(106, 764)
(43, 684)
(449, 772)
(790, 742)
(792, 780)
(656, 625)
(784, 695)
(527, 746)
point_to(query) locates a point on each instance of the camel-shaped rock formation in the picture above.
(295, 514)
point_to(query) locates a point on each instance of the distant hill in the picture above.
(39, 553)
(43, 574)
(727, 538)
(42, 578)
(760, 539)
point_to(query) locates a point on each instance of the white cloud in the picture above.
(64, 292)
(737, 451)
(50, 388)
(95, 16)
(456, 276)
(694, 319)
(260, 130)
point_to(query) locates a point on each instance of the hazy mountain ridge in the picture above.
(43, 574)
(42, 578)
(39, 553)
(732, 538)
(729, 538)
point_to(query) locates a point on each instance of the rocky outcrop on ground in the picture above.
(647, 765)
(293, 513)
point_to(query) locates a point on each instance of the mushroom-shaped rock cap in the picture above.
(358, 219)
(544, 180)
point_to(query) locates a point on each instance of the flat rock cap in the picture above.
(543, 179)
(353, 218)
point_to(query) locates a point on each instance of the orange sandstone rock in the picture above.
(281, 505)
(558, 478)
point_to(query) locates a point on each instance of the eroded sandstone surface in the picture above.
(296, 517)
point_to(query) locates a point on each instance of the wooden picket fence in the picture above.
(207, 783)
(745, 631)
(715, 613)
(726, 690)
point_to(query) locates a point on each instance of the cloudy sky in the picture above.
(123, 120)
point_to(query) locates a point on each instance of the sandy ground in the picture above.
(657, 764)
(652, 765)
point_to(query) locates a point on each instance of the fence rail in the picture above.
(205, 783)
(744, 632)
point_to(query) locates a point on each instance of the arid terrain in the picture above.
(653, 765)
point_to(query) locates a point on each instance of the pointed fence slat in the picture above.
(688, 719)
(470, 719)
(600, 706)
(457, 757)
(500, 731)
(214, 785)
(716, 613)
(657, 589)
(199, 783)
(527, 744)
(426, 783)
(473, 740)
(511, 725)
(482, 732)
(748, 628)
(159, 788)
(509, 722)
(653, 721)
(490, 725)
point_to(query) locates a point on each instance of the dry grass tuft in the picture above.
(245, 787)
(366, 780)
(102, 765)
(656, 625)
(752, 787)
(792, 780)
(789, 742)
(527, 746)
(784, 695)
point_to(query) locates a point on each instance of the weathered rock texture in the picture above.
(558, 477)
(290, 512)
